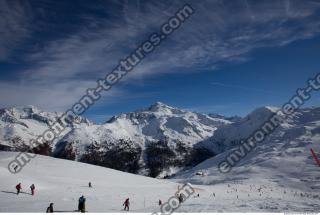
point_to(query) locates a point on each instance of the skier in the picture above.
(160, 202)
(126, 204)
(50, 208)
(90, 185)
(82, 204)
(18, 187)
(180, 198)
(32, 187)
(15, 168)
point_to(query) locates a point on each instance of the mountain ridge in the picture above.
(156, 141)
(133, 136)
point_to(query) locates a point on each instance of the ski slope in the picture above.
(278, 175)
(63, 182)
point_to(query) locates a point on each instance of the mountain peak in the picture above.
(21, 110)
(265, 110)
(159, 106)
(159, 103)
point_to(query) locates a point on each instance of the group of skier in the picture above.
(82, 205)
(81, 201)
(19, 188)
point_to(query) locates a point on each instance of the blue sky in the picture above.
(228, 58)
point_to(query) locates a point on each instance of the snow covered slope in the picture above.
(281, 167)
(284, 152)
(279, 175)
(63, 182)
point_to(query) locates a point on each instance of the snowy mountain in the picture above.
(278, 175)
(140, 140)
(230, 135)
(18, 125)
(282, 164)
(304, 124)
(160, 140)
(155, 141)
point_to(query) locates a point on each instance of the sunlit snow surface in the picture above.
(63, 182)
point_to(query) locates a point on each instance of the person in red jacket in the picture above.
(32, 187)
(18, 187)
(126, 204)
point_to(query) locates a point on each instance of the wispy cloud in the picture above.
(15, 26)
(220, 31)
